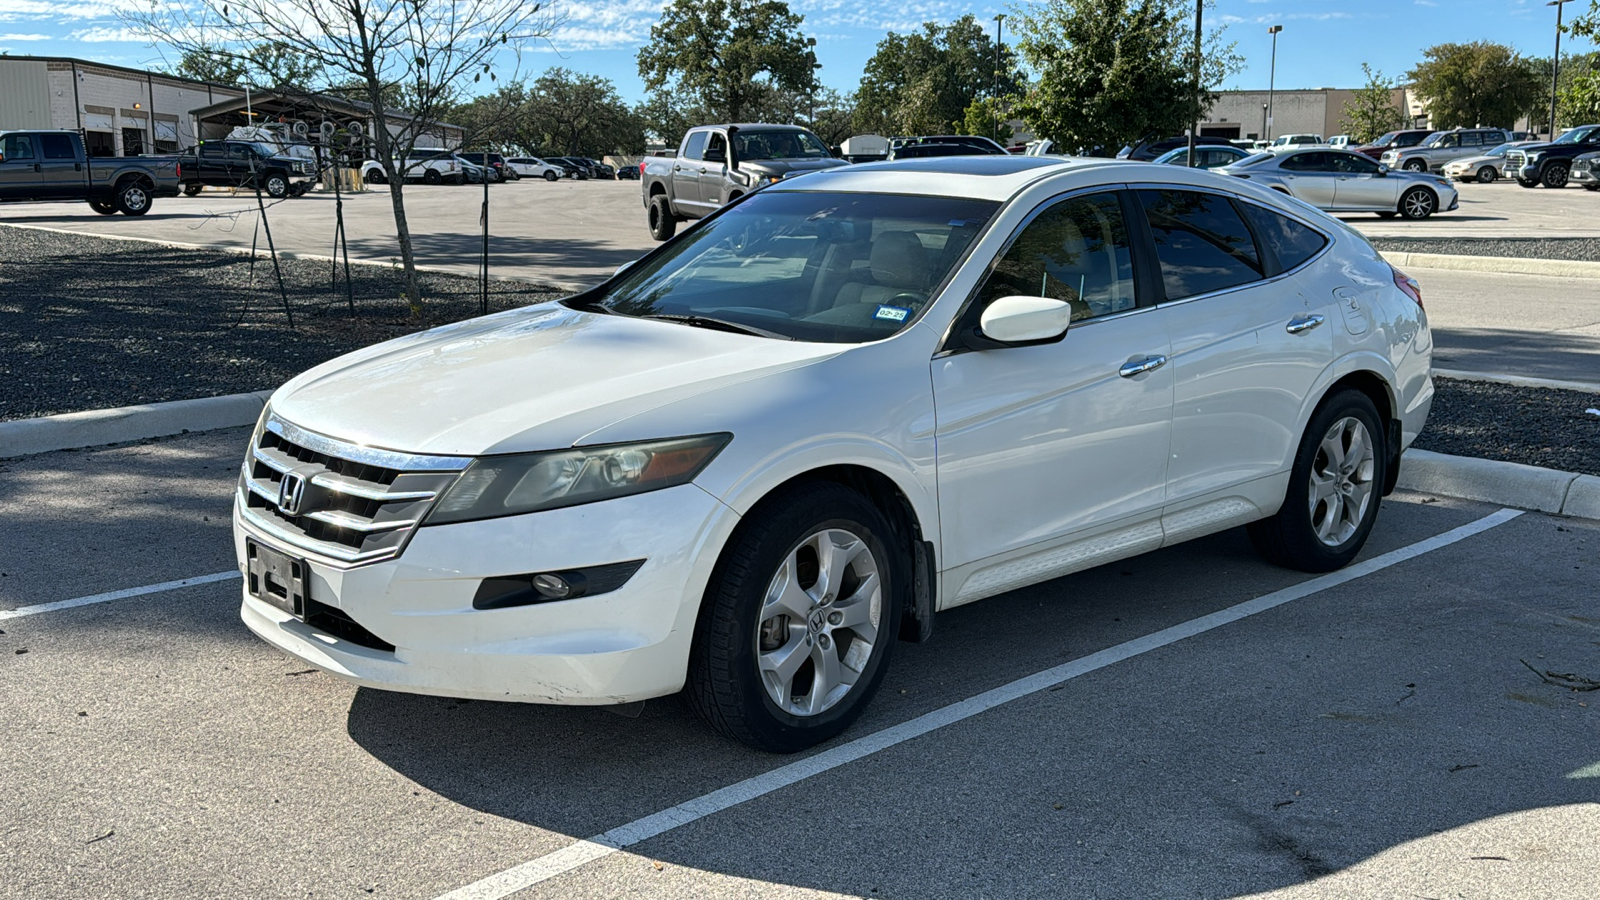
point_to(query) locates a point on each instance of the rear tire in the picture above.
(377, 177)
(663, 224)
(799, 620)
(1335, 489)
(133, 198)
(192, 190)
(1592, 187)
(1488, 174)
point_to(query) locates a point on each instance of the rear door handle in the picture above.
(1303, 323)
(1148, 364)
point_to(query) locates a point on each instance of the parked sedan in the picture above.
(1482, 169)
(1342, 181)
(1209, 157)
(817, 417)
(570, 166)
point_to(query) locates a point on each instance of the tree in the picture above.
(1112, 72)
(1580, 100)
(989, 116)
(430, 50)
(833, 116)
(1372, 111)
(726, 55)
(1480, 83)
(269, 63)
(923, 82)
(1574, 67)
(583, 115)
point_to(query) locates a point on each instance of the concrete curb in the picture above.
(1519, 380)
(1500, 265)
(23, 437)
(570, 286)
(1509, 484)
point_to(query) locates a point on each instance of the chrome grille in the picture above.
(1582, 165)
(336, 500)
(1515, 160)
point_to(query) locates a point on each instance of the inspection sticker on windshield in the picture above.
(892, 313)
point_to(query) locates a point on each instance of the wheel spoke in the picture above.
(833, 559)
(1358, 451)
(827, 675)
(1333, 448)
(785, 596)
(858, 609)
(1326, 524)
(779, 666)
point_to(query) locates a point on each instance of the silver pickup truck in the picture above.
(717, 164)
(52, 165)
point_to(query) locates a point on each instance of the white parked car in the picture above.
(1297, 140)
(1483, 169)
(751, 462)
(426, 166)
(533, 167)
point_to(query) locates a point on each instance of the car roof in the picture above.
(977, 177)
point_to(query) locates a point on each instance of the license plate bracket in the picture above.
(277, 578)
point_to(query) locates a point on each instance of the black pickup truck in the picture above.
(51, 165)
(241, 164)
(1551, 164)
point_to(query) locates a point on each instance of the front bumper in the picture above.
(1584, 176)
(618, 647)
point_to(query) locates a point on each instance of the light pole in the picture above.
(1555, 65)
(1263, 121)
(999, 54)
(1272, 77)
(811, 43)
(1194, 127)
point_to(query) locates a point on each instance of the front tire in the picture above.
(1488, 174)
(799, 620)
(551, 176)
(1335, 489)
(1554, 176)
(662, 222)
(432, 176)
(1418, 203)
(276, 186)
(1415, 165)
(104, 207)
(1528, 182)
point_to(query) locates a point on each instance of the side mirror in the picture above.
(1382, 170)
(1023, 320)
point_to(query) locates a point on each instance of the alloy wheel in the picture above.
(1419, 205)
(1341, 481)
(819, 621)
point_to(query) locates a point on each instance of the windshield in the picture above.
(1433, 138)
(806, 265)
(1501, 150)
(1386, 140)
(1575, 135)
(778, 145)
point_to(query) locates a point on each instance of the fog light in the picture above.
(553, 586)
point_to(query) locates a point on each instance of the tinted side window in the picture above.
(1076, 251)
(56, 146)
(214, 151)
(18, 146)
(1290, 241)
(1201, 242)
(1307, 162)
(696, 147)
(1354, 164)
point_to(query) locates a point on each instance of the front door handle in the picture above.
(1148, 364)
(1300, 324)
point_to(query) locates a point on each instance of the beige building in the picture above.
(1243, 114)
(128, 112)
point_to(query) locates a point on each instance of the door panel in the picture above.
(20, 170)
(1037, 442)
(1366, 192)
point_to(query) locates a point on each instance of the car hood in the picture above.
(535, 378)
(791, 166)
(1475, 161)
(1540, 148)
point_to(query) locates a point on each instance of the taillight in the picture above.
(1407, 285)
(641, 170)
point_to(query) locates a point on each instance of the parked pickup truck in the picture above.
(51, 165)
(241, 164)
(1551, 164)
(717, 164)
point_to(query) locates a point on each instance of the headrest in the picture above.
(898, 260)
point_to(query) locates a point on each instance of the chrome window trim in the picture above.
(372, 456)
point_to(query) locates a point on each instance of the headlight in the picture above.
(1533, 157)
(530, 482)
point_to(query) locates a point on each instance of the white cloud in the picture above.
(102, 34)
(26, 37)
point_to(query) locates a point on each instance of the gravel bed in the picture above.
(90, 323)
(1583, 249)
(1536, 426)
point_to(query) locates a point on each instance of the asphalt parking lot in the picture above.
(1192, 723)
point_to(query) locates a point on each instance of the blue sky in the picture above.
(1323, 42)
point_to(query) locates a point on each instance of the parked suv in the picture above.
(1394, 140)
(1586, 171)
(1551, 164)
(534, 167)
(1443, 147)
(493, 162)
(426, 166)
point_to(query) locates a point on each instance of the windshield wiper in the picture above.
(719, 325)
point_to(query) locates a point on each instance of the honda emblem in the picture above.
(291, 493)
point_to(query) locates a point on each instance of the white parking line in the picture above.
(572, 856)
(116, 595)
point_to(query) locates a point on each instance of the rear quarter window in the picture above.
(1291, 241)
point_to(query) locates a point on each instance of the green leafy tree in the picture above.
(988, 116)
(1574, 67)
(833, 117)
(1480, 83)
(270, 64)
(1580, 100)
(726, 56)
(1372, 111)
(923, 82)
(667, 116)
(1111, 72)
